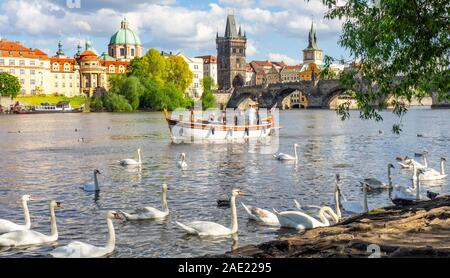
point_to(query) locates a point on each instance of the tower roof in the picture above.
(312, 39)
(125, 35)
(231, 29)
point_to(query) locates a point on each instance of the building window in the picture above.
(32, 72)
(12, 62)
(132, 52)
(55, 67)
(70, 84)
(112, 52)
(56, 85)
(195, 76)
(2, 62)
(63, 85)
(56, 76)
(22, 71)
(22, 81)
(122, 52)
(32, 82)
(121, 69)
(22, 62)
(63, 76)
(196, 67)
(66, 67)
(32, 63)
(112, 69)
(12, 71)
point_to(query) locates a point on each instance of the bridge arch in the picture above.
(332, 95)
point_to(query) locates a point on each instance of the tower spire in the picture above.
(231, 30)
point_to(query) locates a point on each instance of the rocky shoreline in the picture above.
(418, 230)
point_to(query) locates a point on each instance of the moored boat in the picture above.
(61, 107)
(200, 130)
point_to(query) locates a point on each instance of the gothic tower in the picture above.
(231, 56)
(312, 54)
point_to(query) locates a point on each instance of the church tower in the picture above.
(231, 55)
(312, 54)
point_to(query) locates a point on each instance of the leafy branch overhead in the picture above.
(403, 49)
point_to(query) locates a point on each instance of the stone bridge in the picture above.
(318, 93)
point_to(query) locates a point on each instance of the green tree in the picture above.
(96, 104)
(208, 99)
(131, 89)
(403, 46)
(9, 85)
(116, 103)
(178, 73)
(154, 66)
(136, 68)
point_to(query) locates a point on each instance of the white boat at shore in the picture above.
(200, 131)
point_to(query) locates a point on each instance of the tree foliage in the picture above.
(9, 85)
(178, 73)
(403, 47)
(208, 99)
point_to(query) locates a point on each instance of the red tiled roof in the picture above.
(61, 61)
(17, 50)
(208, 59)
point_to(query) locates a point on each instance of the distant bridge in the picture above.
(318, 93)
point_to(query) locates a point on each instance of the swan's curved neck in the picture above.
(442, 168)
(112, 236)
(425, 161)
(139, 157)
(418, 188)
(415, 176)
(54, 229)
(366, 206)
(164, 200)
(330, 212)
(389, 176)
(337, 199)
(26, 213)
(234, 221)
(96, 181)
(295, 153)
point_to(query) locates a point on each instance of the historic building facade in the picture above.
(64, 74)
(125, 44)
(210, 67)
(231, 56)
(312, 53)
(30, 66)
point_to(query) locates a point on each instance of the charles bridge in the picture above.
(318, 93)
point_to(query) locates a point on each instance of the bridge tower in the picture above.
(231, 56)
(312, 54)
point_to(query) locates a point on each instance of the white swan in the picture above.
(147, 213)
(182, 162)
(92, 186)
(78, 249)
(310, 209)
(430, 174)
(406, 162)
(301, 221)
(29, 237)
(376, 184)
(355, 206)
(404, 195)
(130, 161)
(7, 226)
(261, 215)
(206, 228)
(283, 156)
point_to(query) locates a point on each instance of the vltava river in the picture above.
(47, 160)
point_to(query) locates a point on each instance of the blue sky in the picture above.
(276, 29)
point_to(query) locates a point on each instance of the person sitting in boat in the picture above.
(212, 117)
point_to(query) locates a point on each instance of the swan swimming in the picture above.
(354, 206)
(78, 249)
(430, 174)
(29, 237)
(147, 213)
(182, 162)
(7, 226)
(206, 228)
(92, 186)
(301, 221)
(283, 156)
(405, 195)
(130, 161)
(310, 209)
(261, 215)
(375, 184)
(406, 162)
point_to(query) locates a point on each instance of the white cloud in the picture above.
(251, 49)
(278, 57)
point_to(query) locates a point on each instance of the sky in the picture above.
(276, 29)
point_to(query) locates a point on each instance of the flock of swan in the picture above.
(301, 218)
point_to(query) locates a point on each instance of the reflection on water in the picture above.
(46, 159)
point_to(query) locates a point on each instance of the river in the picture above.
(47, 159)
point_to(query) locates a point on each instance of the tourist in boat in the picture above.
(251, 115)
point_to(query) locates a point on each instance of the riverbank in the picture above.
(419, 230)
(75, 102)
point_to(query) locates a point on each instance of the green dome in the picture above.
(125, 36)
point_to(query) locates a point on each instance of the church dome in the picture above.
(125, 36)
